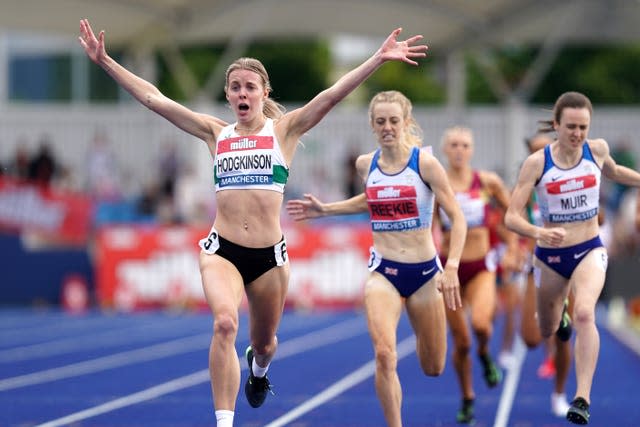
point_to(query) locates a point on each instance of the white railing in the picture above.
(137, 137)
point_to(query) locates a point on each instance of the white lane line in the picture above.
(329, 335)
(367, 370)
(55, 327)
(157, 351)
(310, 341)
(123, 335)
(511, 384)
(626, 337)
(149, 329)
(27, 318)
(84, 342)
(141, 396)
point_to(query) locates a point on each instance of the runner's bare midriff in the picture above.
(576, 232)
(249, 218)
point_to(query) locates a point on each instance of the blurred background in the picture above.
(102, 202)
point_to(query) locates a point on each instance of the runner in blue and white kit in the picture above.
(569, 254)
(401, 182)
(557, 360)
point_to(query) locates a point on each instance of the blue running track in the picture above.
(149, 369)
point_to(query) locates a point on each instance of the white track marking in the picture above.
(83, 342)
(310, 341)
(157, 351)
(405, 347)
(141, 396)
(626, 336)
(510, 384)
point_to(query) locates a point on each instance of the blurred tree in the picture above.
(478, 89)
(512, 63)
(607, 74)
(301, 69)
(418, 83)
(201, 60)
(102, 88)
(298, 70)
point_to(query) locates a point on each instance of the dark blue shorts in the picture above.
(406, 278)
(565, 260)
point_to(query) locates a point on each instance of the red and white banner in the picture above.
(59, 216)
(148, 266)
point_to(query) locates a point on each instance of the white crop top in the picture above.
(569, 195)
(249, 162)
(399, 202)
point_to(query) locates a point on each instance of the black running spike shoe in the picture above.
(578, 412)
(564, 329)
(465, 414)
(256, 389)
(492, 373)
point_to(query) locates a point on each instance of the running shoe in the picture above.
(578, 412)
(465, 414)
(559, 404)
(564, 329)
(547, 369)
(256, 388)
(492, 374)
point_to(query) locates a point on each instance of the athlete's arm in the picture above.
(436, 176)
(200, 125)
(301, 120)
(448, 282)
(312, 207)
(515, 217)
(610, 168)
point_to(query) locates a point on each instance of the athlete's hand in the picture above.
(448, 284)
(552, 237)
(394, 50)
(309, 208)
(94, 47)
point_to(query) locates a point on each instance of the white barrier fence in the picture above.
(137, 137)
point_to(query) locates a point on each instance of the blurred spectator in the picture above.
(43, 166)
(625, 236)
(169, 163)
(353, 184)
(19, 166)
(169, 169)
(102, 169)
(192, 198)
(637, 214)
(66, 179)
(147, 204)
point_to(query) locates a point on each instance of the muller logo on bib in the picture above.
(573, 199)
(388, 193)
(572, 184)
(244, 143)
